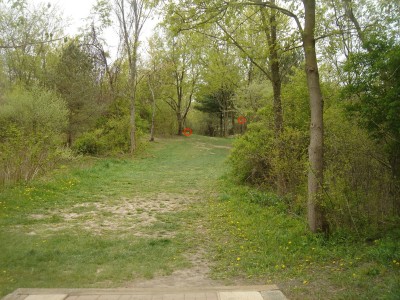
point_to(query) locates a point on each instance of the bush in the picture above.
(30, 139)
(360, 192)
(111, 137)
(256, 158)
(89, 143)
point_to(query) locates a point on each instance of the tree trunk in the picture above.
(233, 123)
(180, 122)
(69, 139)
(270, 29)
(271, 32)
(153, 112)
(133, 75)
(225, 123)
(221, 130)
(131, 49)
(348, 6)
(316, 217)
(133, 123)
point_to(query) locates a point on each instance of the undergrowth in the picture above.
(256, 237)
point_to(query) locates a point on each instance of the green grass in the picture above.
(263, 243)
(84, 225)
(57, 231)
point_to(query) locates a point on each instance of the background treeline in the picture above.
(65, 95)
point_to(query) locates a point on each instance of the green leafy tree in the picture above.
(132, 15)
(74, 77)
(25, 36)
(375, 94)
(194, 14)
(221, 76)
(181, 54)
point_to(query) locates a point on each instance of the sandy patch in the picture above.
(204, 146)
(125, 216)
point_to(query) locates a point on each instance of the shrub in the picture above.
(30, 139)
(360, 192)
(256, 158)
(111, 137)
(89, 143)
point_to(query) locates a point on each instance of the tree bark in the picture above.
(316, 217)
(221, 125)
(180, 122)
(271, 32)
(270, 29)
(133, 75)
(153, 111)
(348, 6)
(136, 17)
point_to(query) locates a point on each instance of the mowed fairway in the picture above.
(112, 221)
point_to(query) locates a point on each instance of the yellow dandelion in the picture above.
(238, 258)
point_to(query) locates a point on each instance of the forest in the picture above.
(307, 91)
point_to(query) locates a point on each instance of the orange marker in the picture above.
(242, 120)
(187, 131)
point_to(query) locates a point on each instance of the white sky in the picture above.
(76, 11)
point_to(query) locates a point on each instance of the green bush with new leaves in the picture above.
(110, 137)
(359, 190)
(256, 160)
(32, 122)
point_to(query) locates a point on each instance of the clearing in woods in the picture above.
(114, 222)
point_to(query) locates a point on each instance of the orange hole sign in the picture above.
(241, 120)
(187, 132)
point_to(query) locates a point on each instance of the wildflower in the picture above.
(238, 258)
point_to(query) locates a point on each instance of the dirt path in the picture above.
(196, 276)
(116, 222)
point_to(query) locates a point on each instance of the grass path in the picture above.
(114, 222)
(158, 220)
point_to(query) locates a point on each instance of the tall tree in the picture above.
(74, 77)
(212, 12)
(220, 78)
(155, 77)
(132, 15)
(25, 36)
(316, 217)
(182, 59)
(245, 28)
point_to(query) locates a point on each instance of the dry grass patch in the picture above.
(131, 216)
